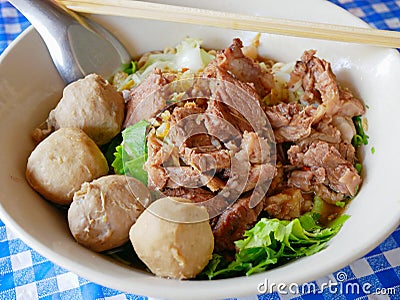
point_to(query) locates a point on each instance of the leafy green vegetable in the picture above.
(361, 138)
(273, 242)
(109, 148)
(341, 204)
(131, 155)
(318, 208)
(129, 68)
(358, 167)
(118, 164)
(135, 169)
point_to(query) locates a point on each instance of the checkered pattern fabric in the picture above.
(26, 275)
(12, 23)
(382, 14)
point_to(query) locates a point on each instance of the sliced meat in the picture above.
(306, 180)
(186, 128)
(222, 154)
(190, 178)
(326, 131)
(281, 114)
(322, 154)
(257, 148)
(227, 84)
(181, 112)
(290, 122)
(164, 170)
(145, 101)
(345, 126)
(157, 177)
(260, 175)
(229, 115)
(244, 68)
(215, 184)
(319, 84)
(234, 108)
(341, 174)
(287, 205)
(205, 162)
(347, 151)
(349, 106)
(296, 155)
(344, 179)
(279, 182)
(233, 222)
(328, 195)
(218, 127)
(202, 142)
(154, 147)
(184, 176)
(322, 131)
(195, 195)
(214, 205)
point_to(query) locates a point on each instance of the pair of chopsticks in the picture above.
(189, 15)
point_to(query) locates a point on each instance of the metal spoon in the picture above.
(76, 50)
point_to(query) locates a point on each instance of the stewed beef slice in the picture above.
(147, 99)
(233, 222)
(341, 175)
(244, 68)
(287, 205)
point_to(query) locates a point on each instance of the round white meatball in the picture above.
(59, 165)
(103, 211)
(93, 105)
(173, 238)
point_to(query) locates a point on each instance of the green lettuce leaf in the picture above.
(131, 155)
(273, 242)
(118, 164)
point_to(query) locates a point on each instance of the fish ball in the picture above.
(103, 211)
(93, 105)
(173, 238)
(59, 165)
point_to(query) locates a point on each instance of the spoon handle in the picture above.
(52, 24)
(77, 45)
(43, 14)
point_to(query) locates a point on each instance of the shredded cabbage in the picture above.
(188, 56)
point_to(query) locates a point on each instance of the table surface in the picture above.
(25, 274)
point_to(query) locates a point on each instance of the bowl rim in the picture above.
(216, 288)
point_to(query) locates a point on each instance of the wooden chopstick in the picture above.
(206, 17)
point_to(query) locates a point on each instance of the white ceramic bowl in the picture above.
(30, 87)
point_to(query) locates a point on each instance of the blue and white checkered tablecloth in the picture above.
(26, 275)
